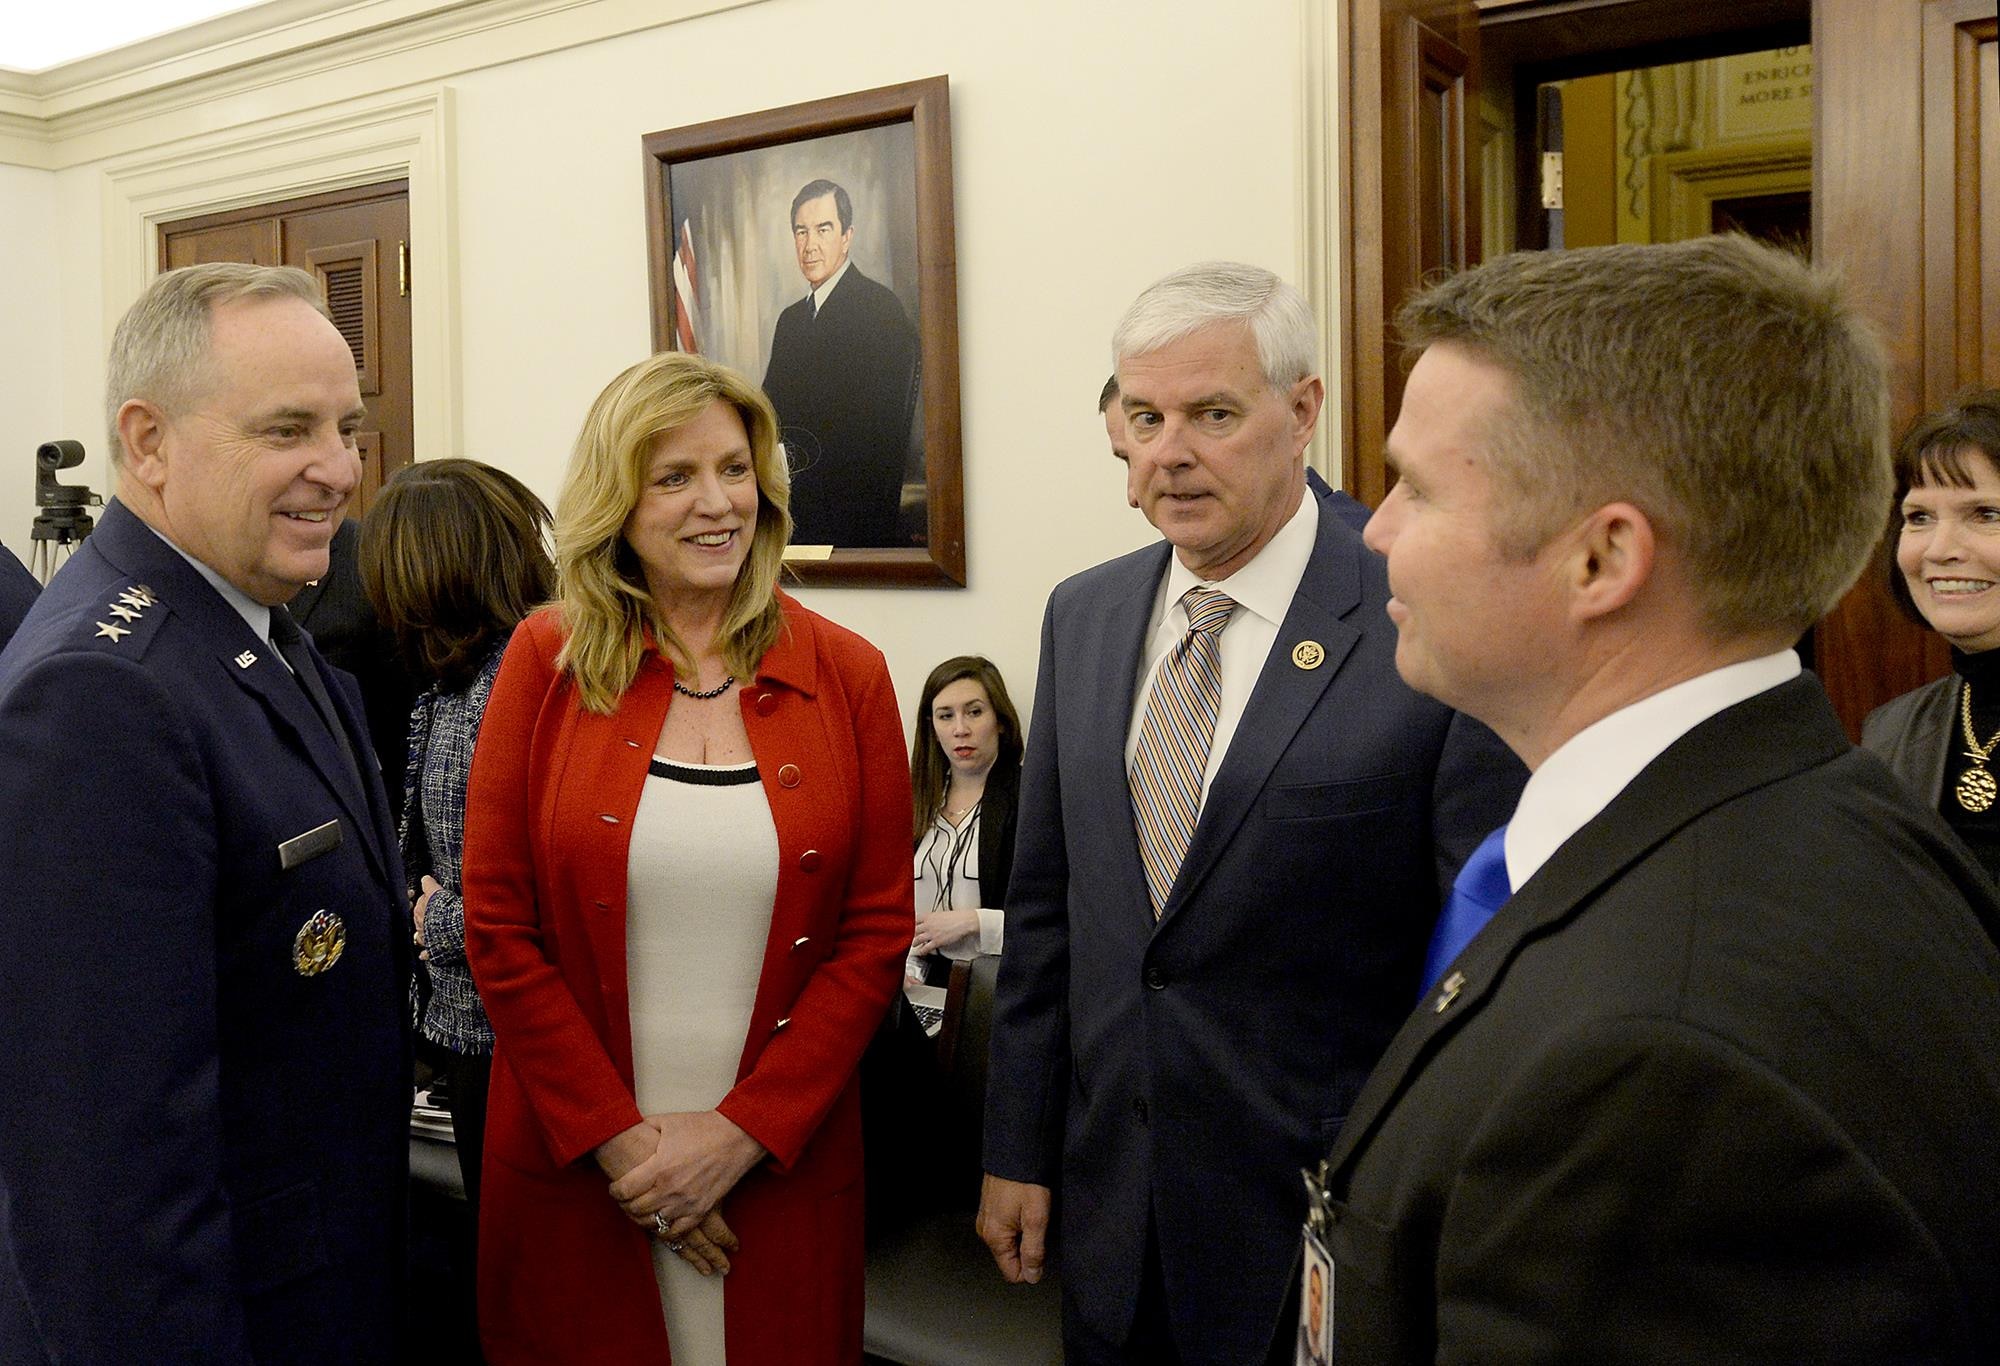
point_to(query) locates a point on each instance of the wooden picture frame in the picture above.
(861, 403)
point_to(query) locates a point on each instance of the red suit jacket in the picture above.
(563, 1275)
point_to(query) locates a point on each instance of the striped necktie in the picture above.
(1174, 737)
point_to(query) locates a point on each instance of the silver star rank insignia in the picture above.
(139, 598)
(111, 630)
(122, 612)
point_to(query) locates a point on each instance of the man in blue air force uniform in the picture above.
(203, 1075)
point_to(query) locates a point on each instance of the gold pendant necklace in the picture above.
(1976, 789)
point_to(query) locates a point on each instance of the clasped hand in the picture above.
(676, 1168)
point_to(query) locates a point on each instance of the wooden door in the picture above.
(1907, 199)
(356, 242)
(1412, 197)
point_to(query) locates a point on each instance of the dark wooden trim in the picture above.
(325, 199)
(926, 105)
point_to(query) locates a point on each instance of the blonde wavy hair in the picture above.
(606, 607)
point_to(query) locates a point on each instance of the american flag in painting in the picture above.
(687, 304)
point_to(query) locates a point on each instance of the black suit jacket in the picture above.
(1180, 1074)
(846, 387)
(18, 590)
(203, 1150)
(1720, 1084)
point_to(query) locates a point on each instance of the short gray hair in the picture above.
(1726, 388)
(1214, 292)
(160, 350)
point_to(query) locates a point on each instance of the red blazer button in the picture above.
(767, 703)
(809, 861)
(788, 776)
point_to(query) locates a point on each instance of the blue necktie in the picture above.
(1480, 889)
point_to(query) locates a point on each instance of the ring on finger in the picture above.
(676, 1247)
(660, 1223)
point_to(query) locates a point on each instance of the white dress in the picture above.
(702, 877)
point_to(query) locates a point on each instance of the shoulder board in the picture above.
(124, 623)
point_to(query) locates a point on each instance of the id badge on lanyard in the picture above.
(1315, 1275)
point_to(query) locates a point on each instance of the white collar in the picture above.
(826, 286)
(1267, 584)
(1597, 763)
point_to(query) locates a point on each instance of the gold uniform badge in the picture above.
(318, 944)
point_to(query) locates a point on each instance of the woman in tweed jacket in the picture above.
(453, 557)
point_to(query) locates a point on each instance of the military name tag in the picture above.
(321, 839)
(318, 944)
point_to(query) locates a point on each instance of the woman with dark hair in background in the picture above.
(453, 556)
(690, 901)
(965, 779)
(1945, 533)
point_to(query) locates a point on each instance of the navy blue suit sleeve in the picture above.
(1477, 786)
(1028, 1072)
(110, 1123)
(18, 591)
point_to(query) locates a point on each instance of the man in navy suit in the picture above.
(1182, 1020)
(844, 379)
(1718, 1081)
(204, 1092)
(17, 594)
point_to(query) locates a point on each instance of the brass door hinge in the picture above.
(1552, 180)
(402, 269)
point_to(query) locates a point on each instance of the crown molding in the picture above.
(291, 54)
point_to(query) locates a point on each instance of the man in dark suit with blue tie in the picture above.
(204, 1076)
(1718, 1080)
(1235, 826)
(17, 594)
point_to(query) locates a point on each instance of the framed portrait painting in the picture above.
(811, 248)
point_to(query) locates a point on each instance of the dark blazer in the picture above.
(1719, 1084)
(336, 612)
(999, 814)
(1339, 502)
(1913, 733)
(1183, 1073)
(846, 387)
(204, 1150)
(18, 590)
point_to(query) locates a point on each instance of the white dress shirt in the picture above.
(826, 286)
(1597, 763)
(1263, 590)
(254, 613)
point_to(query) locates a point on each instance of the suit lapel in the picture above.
(1105, 648)
(1771, 736)
(253, 663)
(1284, 697)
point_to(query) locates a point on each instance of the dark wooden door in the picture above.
(1412, 196)
(1906, 189)
(356, 242)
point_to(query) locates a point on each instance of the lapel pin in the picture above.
(245, 660)
(111, 630)
(318, 944)
(1308, 655)
(1448, 991)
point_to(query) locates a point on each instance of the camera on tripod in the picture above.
(61, 521)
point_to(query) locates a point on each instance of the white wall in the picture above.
(1096, 147)
(31, 342)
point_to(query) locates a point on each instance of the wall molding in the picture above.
(290, 55)
(406, 135)
(1323, 224)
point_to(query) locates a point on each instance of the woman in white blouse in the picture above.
(965, 778)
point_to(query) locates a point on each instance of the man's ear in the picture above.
(1610, 560)
(142, 439)
(1307, 396)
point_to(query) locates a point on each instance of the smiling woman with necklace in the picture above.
(687, 900)
(1942, 738)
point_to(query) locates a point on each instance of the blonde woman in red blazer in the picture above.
(672, 652)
